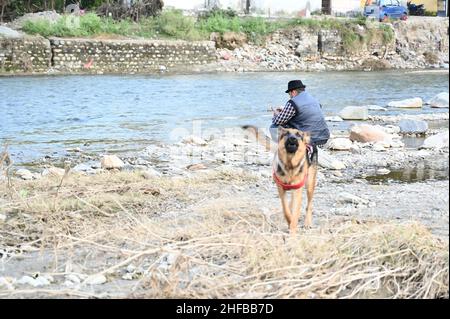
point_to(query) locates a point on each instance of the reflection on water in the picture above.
(410, 175)
(51, 114)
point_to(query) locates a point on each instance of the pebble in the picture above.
(96, 280)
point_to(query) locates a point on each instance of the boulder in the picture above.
(439, 101)
(328, 162)
(340, 144)
(413, 126)
(408, 103)
(437, 141)
(354, 113)
(111, 162)
(24, 174)
(366, 133)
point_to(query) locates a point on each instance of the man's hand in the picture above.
(276, 111)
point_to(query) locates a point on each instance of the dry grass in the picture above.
(194, 238)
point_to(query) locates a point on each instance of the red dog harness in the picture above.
(288, 187)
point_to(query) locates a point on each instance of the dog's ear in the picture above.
(306, 137)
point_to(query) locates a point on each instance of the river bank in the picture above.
(202, 219)
(419, 43)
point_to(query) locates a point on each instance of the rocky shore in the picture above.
(129, 226)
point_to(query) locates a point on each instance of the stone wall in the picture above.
(24, 54)
(128, 56)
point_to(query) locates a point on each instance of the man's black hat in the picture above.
(296, 84)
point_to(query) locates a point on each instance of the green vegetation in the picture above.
(173, 24)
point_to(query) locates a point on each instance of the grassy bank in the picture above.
(187, 245)
(173, 25)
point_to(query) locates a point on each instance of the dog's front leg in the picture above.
(284, 202)
(296, 209)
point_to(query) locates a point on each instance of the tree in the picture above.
(3, 4)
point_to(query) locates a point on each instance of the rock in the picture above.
(9, 33)
(439, 101)
(96, 280)
(24, 174)
(437, 141)
(150, 173)
(345, 197)
(383, 171)
(82, 168)
(196, 167)
(35, 282)
(111, 162)
(408, 103)
(354, 113)
(376, 108)
(73, 278)
(127, 276)
(413, 126)
(365, 133)
(327, 161)
(379, 147)
(7, 282)
(2, 217)
(195, 140)
(54, 171)
(340, 144)
(131, 268)
(333, 119)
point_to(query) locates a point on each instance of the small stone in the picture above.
(195, 140)
(333, 119)
(96, 280)
(383, 171)
(7, 282)
(150, 173)
(340, 144)
(379, 147)
(196, 167)
(127, 276)
(111, 162)
(345, 197)
(73, 278)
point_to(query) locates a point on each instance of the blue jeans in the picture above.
(273, 129)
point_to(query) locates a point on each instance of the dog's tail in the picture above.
(262, 138)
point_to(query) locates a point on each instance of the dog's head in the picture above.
(293, 141)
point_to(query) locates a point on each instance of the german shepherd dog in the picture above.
(293, 169)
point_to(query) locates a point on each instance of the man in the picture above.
(302, 112)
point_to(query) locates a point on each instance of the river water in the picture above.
(47, 115)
